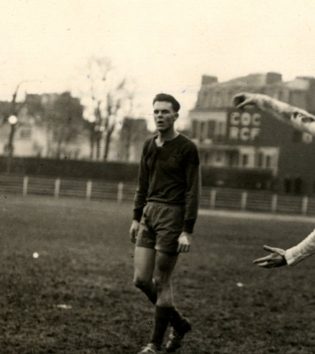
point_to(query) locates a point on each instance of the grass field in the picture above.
(77, 296)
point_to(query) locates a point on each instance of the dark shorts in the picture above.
(160, 226)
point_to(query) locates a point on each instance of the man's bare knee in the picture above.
(165, 263)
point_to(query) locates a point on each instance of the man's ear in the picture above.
(176, 115)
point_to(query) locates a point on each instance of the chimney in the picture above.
(208, 80)
(273, 78)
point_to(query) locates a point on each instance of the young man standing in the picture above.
(165, 211)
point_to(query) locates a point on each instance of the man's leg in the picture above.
(164, 266)
(166, 313)
(144, 263)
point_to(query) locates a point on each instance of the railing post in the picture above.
(274, 202)
(243, 200)
(88, 189)
(25, 186)
(120, 192)
(304, 205)
(213, 196)
(57, 188)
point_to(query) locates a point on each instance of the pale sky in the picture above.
(164, 45)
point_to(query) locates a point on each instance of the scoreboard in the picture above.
(243, 126)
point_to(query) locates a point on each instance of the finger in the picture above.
(184, 248)
(238, 98)
(267, 265)
(268, 248)
(262, 259)
(262, 264)
(274, 250)
(243, 104)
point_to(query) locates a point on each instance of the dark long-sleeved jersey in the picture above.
(169, 174)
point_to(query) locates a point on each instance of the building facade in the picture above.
(250, 140)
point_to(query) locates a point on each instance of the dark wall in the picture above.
(128, 172)
(296, 167)
(111, 171)
(237, 178)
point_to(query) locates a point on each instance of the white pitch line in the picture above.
(257, 216)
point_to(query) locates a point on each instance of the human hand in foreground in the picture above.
(184, 242)
(133, 231)
(274, 259)
(241, 100)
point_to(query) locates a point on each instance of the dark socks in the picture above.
(152, 293)
(177, 321)
(162, 317)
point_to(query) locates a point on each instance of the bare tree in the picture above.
(105, 98)
(12, 120)
(63, 119)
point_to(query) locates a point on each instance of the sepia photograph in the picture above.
(157, 177)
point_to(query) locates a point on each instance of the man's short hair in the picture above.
(164, 97)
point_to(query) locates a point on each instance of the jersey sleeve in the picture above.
(142, 186)
(302, 250)
(192, 188)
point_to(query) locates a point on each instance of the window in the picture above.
(220, 131)
(211, 127)
(203, 131)
(260, 158)
(205, 158)
(25, 133)
(194, 129)
(218, 156)
(244, 160)
(268, 161)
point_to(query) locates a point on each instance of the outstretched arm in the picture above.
(302, 250)
(279, 257)
(297, 117)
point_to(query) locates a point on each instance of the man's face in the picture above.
(164, 115)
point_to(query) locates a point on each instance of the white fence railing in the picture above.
(211, 198)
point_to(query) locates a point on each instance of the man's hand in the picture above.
(133, 231)
(241, 100)
(274, 259)
(184, 242)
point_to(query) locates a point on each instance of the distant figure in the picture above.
(165, 211)
(301, 120)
